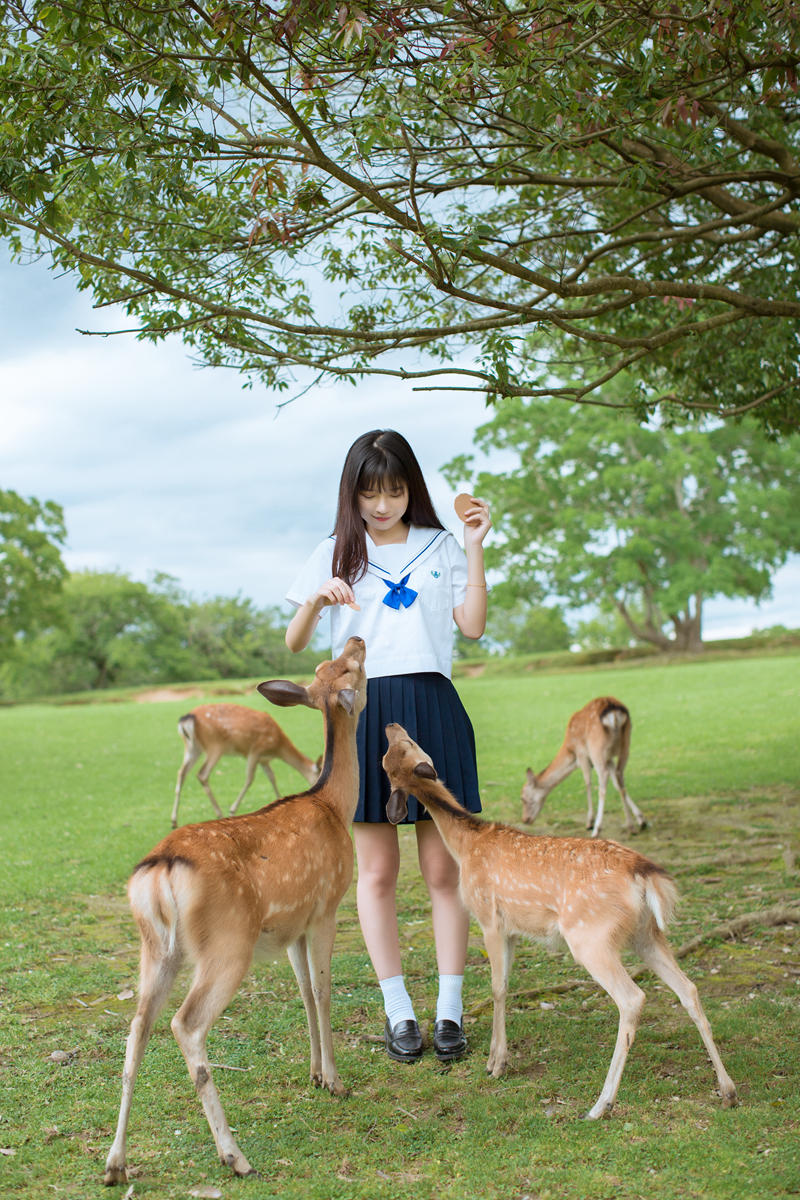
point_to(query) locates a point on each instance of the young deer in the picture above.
(596, 735)
(262, 882)
(218, 729)
(598, 897)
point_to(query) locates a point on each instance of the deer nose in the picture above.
(356, 638)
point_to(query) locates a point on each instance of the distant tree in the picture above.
(229, 637)
(31, 569)
(117, 629)
(525, 180)
(607, 630)
(646, 520)
(524, 628)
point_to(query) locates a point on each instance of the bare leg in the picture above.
(250, 775)
(378, 855)
(450, 918)
(500, 948)
(155, 981)
(660, 959)
(203, 774)
(191, 755)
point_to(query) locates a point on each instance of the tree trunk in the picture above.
(688, 627)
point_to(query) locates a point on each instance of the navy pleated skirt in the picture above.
(429, 709)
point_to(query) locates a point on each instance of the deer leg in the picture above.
(156, 979)
(215, 983)
(605, 966)
(271, 777)
(320, 938)
(252, 763)
(500, 947)
(586, 770)
(632, 813)
(190, 757)
(602, 786)
(203, 775)
(298, 957)
(660, 959)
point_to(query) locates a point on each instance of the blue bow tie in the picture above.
(399, 594)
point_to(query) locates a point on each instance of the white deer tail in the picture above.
(661, 897)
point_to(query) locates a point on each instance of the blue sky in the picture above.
(162, 465)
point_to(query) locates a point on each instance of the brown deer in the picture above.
(597, 897)
(218, 729)
(596, 735)
(218, 892)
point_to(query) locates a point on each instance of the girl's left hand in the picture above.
(477, 523)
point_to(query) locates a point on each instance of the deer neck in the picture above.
(562, 765)
(338, 781)
(457, 827)
(295, 758)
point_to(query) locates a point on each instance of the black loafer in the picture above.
(449, 1042)
(404, 1041)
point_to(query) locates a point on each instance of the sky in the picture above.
(161, 465)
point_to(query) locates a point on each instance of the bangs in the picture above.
(381, 472)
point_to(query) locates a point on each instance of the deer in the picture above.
(219, 892)
(218, 729)
(597, 897)
(596, 735)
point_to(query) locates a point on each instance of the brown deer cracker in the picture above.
(462, 504)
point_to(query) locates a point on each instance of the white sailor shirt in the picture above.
(407, 597)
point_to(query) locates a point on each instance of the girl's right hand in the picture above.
(334, 591)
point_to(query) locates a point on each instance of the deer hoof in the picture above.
(115, 1175)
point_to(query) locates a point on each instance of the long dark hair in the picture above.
(378, 459)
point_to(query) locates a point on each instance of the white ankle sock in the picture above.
(448, 1005)
(396, 1000)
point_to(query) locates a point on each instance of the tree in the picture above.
(523, 628)
(31, 569)
(603, 510)
(488, 185)
(117, 629)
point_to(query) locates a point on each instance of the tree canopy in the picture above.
(110, 630)
(647, 521)
(495, 186)
(31, 568)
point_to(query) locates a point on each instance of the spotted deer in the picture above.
(598, 897)
(217, 729)
(219, 892)
(596, 735)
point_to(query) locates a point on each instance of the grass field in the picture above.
(87, 790)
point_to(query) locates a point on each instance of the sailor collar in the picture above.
(420, 544)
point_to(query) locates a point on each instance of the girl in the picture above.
(392, 574)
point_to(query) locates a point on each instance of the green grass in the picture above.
(714, 765)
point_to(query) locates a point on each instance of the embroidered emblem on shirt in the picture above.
(436, 574)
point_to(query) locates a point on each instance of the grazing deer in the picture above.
(218, 729)
(598, 897)
(217, 892)
(596, 735)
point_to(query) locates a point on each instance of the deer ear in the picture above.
(283, 693)
(529, 775)
(397, 806)
(425, 770)
(347, 699)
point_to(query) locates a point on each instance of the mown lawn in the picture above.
(87, 790)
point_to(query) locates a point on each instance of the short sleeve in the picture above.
(316, 571)
(458, 571)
